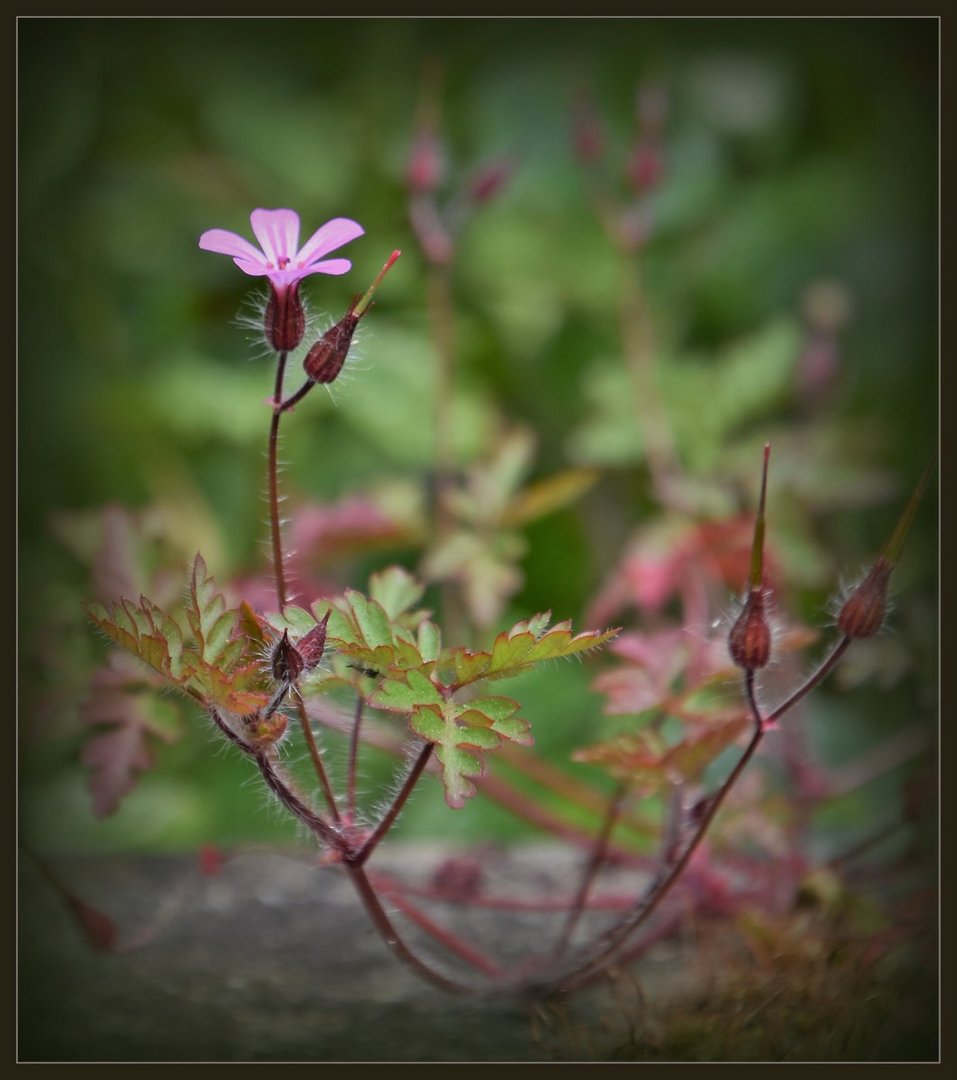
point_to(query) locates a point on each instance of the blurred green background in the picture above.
(797, 151)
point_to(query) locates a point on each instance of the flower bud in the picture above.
(424, 169)
(312, 645)
(862, 614)
(325, 359)
(287, 661)
(285, 320)
(263, 729)
(645, 165)
(749, 642)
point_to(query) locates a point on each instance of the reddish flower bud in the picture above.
(646, 165)
(489, 180)
(424, 170)
(325, 359)
(313, 645)
(749, 642)
(262, 729)
(285, 320)
(862, 614)
(287, 661)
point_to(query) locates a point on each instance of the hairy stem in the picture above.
(273, 474)
(316, 757)
(818, 676)
(388, 819)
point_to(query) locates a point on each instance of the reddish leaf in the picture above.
(115, 757)
(98, 928)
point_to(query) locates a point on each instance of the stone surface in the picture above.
(272, 959)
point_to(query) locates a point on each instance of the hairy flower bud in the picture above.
(285, 320)
(312, 645)
(749, 642)
(263, 729)
(287, 661)
(325, 359)
(862, 614)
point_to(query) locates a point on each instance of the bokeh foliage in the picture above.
(797, 151)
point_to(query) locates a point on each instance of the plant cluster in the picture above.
(422, 680)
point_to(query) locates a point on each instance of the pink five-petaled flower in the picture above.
(284, 263)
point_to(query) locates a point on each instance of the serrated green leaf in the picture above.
(147, 633)
(219, 635)
(395, 590)
(518, 649)
(205, 610)
(455, 748)
(370, 617)
(165, 626)
(403, 696)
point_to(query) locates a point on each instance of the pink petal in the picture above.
(330, 266)
(229, 243)
(327, 238)
(278, 233)
(254, 269)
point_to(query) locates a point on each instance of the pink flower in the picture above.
(281, 259)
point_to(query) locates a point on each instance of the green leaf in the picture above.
(518, 649)
(371, 619)
(456, 748)
(146, 631)
(396, 695)
(395, 590)
(211, 623)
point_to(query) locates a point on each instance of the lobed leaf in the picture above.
(212, 624)
(456, 748)
(395, 590)
(518, 649)
(146, 631)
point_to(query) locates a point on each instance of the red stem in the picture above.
(446, 938)
(390, 936)
(359, 857)
(273, 468)
(597, 857)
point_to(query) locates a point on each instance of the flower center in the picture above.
(283, 261)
